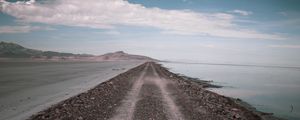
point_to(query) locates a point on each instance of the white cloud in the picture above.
(108, 14)
(21, 29)
(242, 12)
(284, 46)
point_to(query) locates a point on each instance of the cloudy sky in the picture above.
(215, 31)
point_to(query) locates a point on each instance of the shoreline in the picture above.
(208, 84)
(106, 98)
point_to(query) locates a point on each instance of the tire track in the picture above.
(149, 99)
(174, 113)
(151, 105)
(125, 111)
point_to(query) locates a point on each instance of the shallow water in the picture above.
(269, 89)
(29, 87)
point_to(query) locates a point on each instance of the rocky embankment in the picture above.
(150, 91)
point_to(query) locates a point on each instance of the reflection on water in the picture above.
(269, 89)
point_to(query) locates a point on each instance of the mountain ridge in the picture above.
(13, 50)
(121, 55)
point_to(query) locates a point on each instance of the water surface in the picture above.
(269, 89)
(29, 87)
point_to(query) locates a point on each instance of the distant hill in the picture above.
(13, 50)
(120, 55)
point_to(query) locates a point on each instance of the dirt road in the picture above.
(148, 99)
(148, 92)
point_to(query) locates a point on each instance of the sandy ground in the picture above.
(148, 92)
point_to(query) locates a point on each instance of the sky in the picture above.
(214, 31)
